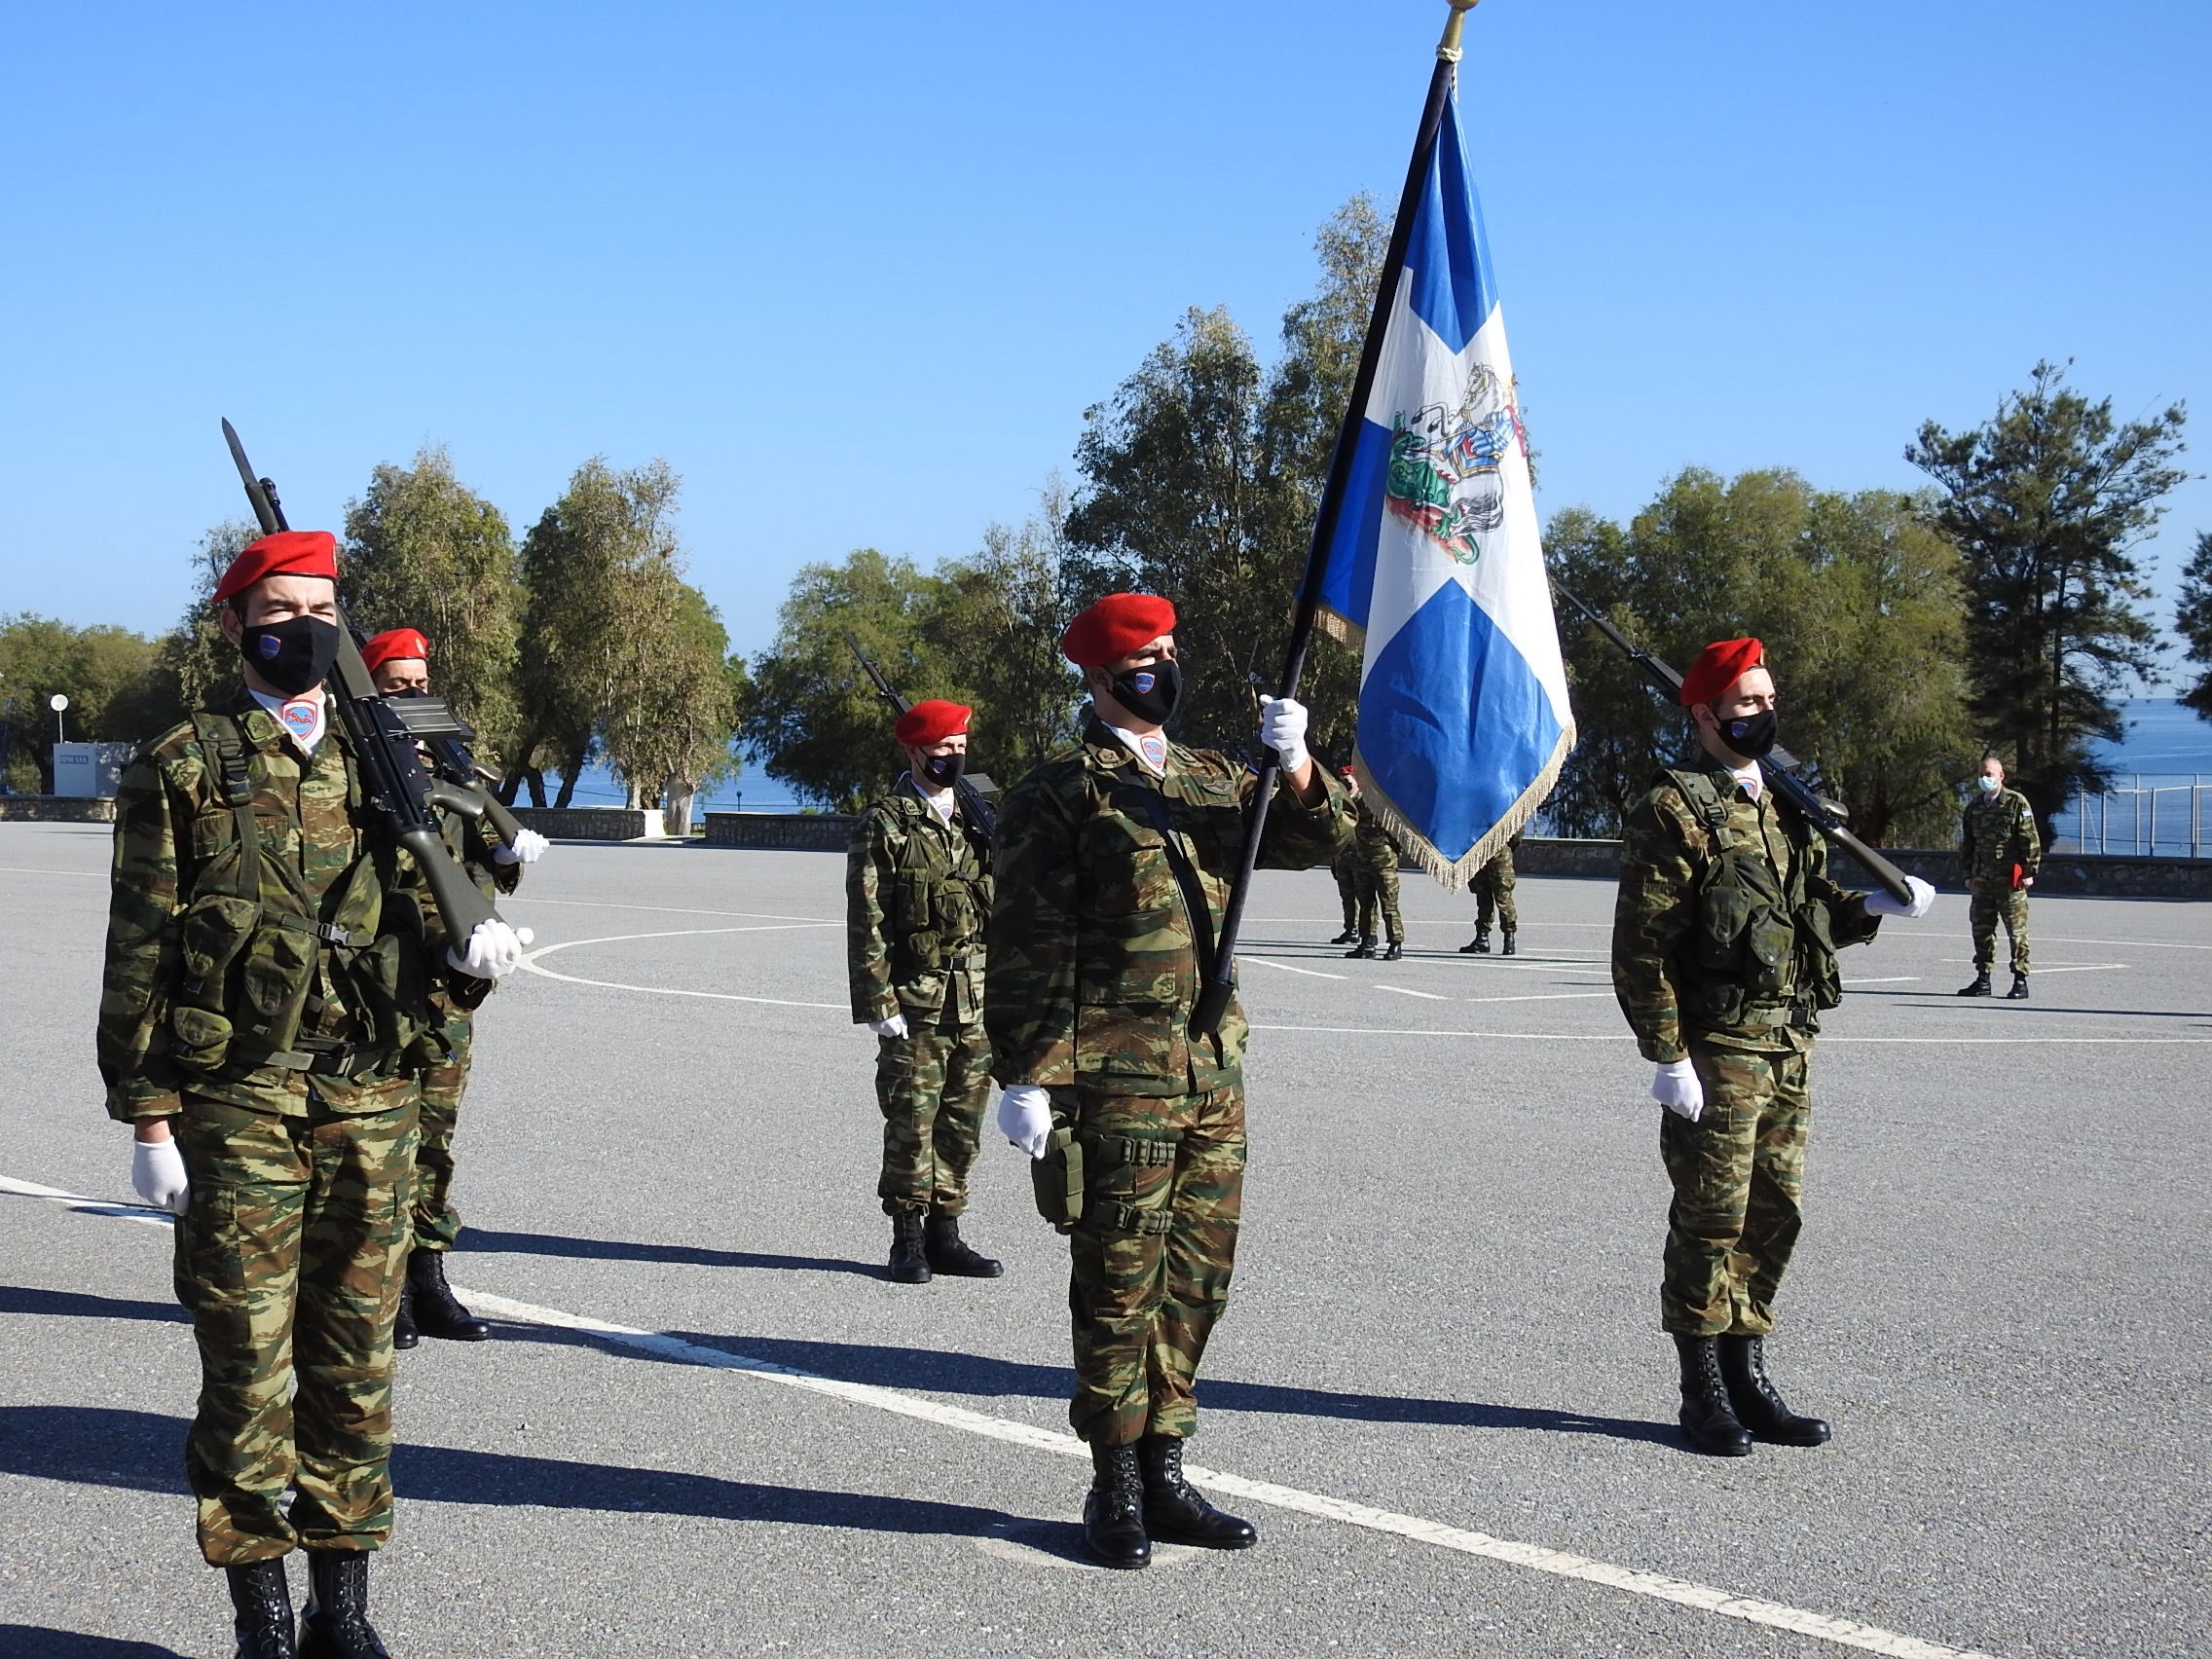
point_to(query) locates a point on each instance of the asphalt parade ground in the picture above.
(708, 1426)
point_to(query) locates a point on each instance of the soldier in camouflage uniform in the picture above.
(398, 661)
(917, 892)
(2000, 852)
(268, 954)
(1375, 862)
(1725, 942)
(1344, 866)
(1494, 899)
(1116, 859)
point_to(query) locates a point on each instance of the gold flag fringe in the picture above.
(1453, 874)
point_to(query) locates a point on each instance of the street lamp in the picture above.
(59, 704)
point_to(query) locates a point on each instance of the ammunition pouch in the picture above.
(1058, 1179)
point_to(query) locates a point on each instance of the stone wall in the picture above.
(589, 823)
(803, 832)
(57, 809)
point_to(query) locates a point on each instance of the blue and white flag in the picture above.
(1435, 569)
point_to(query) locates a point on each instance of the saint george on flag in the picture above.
(1431, 564)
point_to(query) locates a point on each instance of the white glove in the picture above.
(157, 1175)
(494, 951)
(895, 1027)
(1283, 729)
(1882, 903)
(1675, 1085)
(529, 846)
(1025, 1118)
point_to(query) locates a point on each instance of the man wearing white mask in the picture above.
(1725, 942)
(2000, 852)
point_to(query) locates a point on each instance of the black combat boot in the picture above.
(404, 1333)
(1506, 948)
(1479, 946)
(1980, 985)
(1760, 1406)
(2019, 990)
(336, 1623)
(1350, 935)
(1708, 1419)
(948, 1253)
(1396, 951)
(1176, 1510)
(1364, 949)
(437, 1311)
(909, 1253)
(263, 1602)
(1113, 1511)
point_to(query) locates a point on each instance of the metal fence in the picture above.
(2161, 815)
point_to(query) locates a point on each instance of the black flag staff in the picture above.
(1221, 975)
(1778, 766)
(382, 732)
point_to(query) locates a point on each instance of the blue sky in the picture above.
(857, 274)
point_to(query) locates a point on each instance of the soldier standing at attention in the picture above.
(1493, 899)
(260, 1009)
(1724, 941)
(1344, 866)
(398, 661)
(1117, 857)
(917, 895)
(1375, 860)
(2000, 851)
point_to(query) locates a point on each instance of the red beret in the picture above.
(393, 644)
(931, 722)
(1719, 666)
(288, 553)
(1115, 626)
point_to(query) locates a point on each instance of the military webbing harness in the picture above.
(1762, 949)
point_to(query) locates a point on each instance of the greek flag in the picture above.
(1434, 569)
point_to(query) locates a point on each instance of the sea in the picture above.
(2161, 799)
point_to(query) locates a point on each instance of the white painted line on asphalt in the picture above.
(1635, 1581)
(1404, 991)
(1309, 973)
(672, 909)
(1624, 1037)
(531, 962)
(19, 869)
(2065, 967)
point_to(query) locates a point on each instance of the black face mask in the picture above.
(293, 655)
(1752, 737)
(1151, 692)
(943, 770)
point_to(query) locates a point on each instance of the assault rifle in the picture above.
(1779, 767)
(968, 791)
(382, 732)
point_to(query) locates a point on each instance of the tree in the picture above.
(197, 662)
(110, 675)
(667, 724)
(814, 720)
(2192, 622)
(421, 551)
(2045, 502)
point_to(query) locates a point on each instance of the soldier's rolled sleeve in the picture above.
(141, 959)
(868, 874)
(1658, 878)
(1298, 837)
(1029, 994)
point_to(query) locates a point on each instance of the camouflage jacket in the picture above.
(1697, 955)
(1371, 843)
(917, 894)
(1996, 833)
(203, 984)
(1093, 970)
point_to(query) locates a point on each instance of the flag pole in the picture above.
(1221, 979)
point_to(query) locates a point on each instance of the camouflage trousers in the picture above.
(1347, 871)
(437, 1224)
(1985, 909)
(289, 1260)
(1493, 896)
(1164, 1189)
(1379, 891)
(932, 1085)
(1739, 1177)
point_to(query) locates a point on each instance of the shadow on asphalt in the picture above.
(475, 1239)
(934, 1371)
(74, 1304)
(36, 1641)
(97, 1445)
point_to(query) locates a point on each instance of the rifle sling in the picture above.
(1185, 879)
